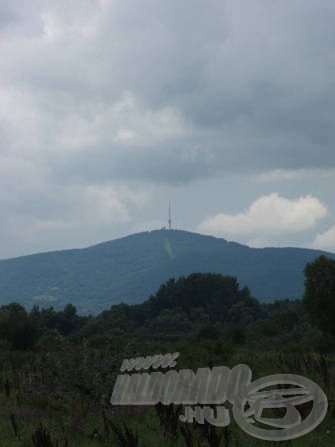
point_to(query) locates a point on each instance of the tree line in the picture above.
(207, 305)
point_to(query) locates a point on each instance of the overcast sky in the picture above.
(109, 108)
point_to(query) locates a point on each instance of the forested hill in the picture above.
(132, 268)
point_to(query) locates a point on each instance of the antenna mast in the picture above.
(170, 221)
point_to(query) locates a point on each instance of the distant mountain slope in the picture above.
(132, 268)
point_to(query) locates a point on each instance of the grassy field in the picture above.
(61, 397)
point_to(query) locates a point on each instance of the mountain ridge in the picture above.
(131, 268)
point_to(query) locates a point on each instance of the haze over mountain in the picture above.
(132, 268)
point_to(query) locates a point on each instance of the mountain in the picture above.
(132, 268)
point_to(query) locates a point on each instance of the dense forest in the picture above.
(59, 368)
(132, 268)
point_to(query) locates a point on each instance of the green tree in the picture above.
(319, 296)
(16, 327)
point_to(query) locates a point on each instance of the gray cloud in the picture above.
(245, 78)
(99, 93)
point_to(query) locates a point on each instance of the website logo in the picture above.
(208, 389)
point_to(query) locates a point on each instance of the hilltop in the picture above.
(132, 268)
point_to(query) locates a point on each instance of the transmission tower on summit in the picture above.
(170, 221)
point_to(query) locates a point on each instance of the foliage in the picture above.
(16, 328)
(57, 384)
(319, 297)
